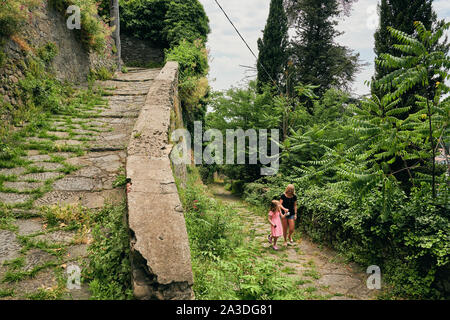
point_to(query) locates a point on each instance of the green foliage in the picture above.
(419, 66)
(317, 59)
(94, 31)
(165, 23)
(143, 19)
(101, 73)
(47, 52)
(40, 89)
(401, 16)
(225, 265)
(193, 84)
(185, 20)
(109, 270)
(246, 108)
(192, 57)
(346, 163)
(4, 293)
(14, 14)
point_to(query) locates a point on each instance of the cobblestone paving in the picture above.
(75, 162)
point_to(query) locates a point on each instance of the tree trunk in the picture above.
(432, 150)
(115, 22)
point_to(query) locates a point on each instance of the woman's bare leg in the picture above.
(291, 228)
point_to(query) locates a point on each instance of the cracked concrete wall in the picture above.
(160, 253)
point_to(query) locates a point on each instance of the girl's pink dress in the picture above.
(275, 218)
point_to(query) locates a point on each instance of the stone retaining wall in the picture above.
(160, 254)
(139, 52)
(73, 63)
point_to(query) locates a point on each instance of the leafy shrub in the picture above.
(109, 269)
(410, 244)
(42, 91)
(194, 88)
(101, 73)
(192, 57)
(165, 23)
(143, 19)
(7, 152)
(185, 20)
(207, 173)
(13, 15)
(48, 52)
(94, 31)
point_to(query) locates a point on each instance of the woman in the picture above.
(288, 203)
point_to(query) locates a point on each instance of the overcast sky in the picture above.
(228, 52)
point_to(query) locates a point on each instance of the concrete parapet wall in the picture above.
(160, 254)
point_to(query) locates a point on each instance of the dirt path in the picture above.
(326, 276)
(74, 160)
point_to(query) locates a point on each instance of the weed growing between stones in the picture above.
(109, 271)
(121, 180)
(4, 293)
(101, 74)
(106, 269)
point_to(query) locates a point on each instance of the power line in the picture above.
(240, 35)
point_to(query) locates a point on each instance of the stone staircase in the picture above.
(75, 162)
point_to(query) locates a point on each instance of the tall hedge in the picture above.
(165, 23)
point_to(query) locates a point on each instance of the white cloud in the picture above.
(227, 50)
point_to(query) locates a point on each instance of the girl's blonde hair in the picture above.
(274, 205)
(290, 189)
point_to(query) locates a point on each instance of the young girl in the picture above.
(275, 222)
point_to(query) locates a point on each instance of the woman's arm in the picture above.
(295, 210)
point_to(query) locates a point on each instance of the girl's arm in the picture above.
(281, 206)
(270, 220)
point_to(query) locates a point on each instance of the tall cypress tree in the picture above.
(318, 59)
(400, 14)
(273, 47)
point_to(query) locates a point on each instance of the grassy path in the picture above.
(324, 275)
